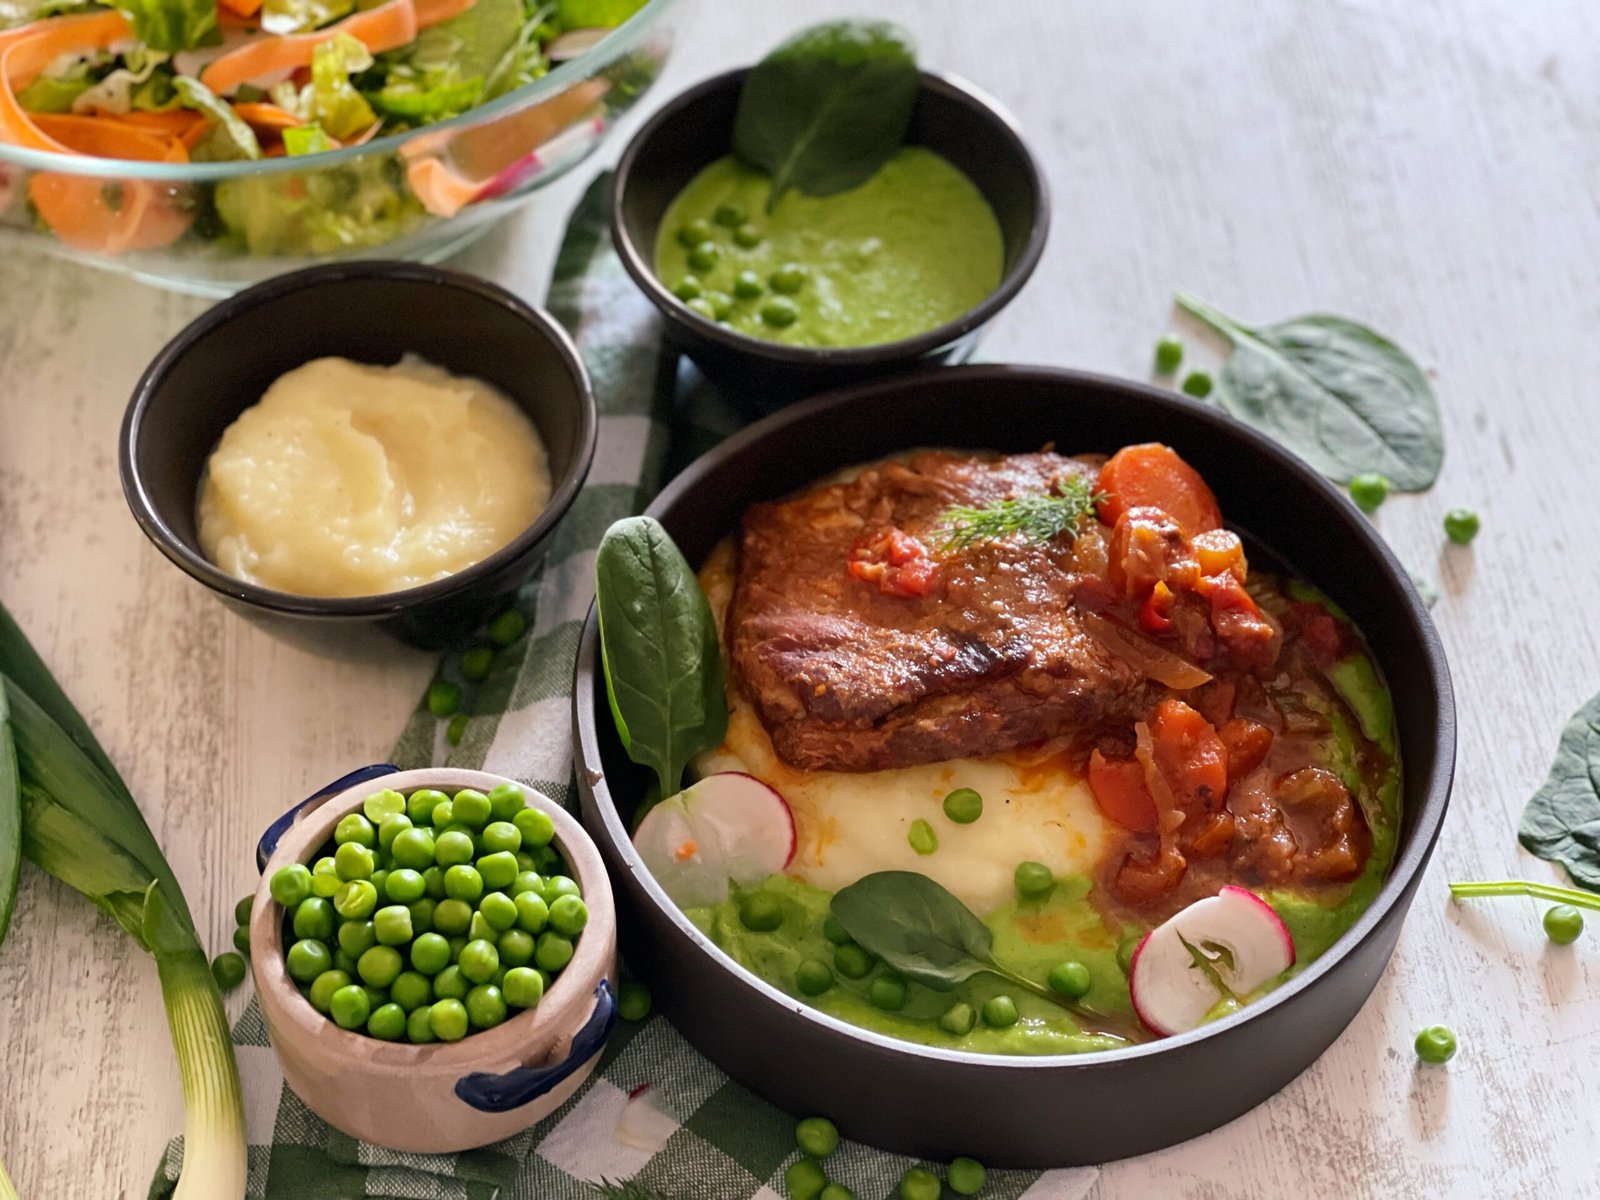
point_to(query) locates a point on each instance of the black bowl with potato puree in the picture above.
(1047, 1111)
(370, 312)
(951, 118)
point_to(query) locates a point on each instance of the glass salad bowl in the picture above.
(211, 228)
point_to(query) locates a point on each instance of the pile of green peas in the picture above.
(431, 916)
(700, 238)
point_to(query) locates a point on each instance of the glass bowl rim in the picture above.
(585, 66)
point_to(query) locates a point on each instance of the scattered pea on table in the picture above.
(228, 970)
(817, 1136)
(1197, 384)
(1370, 490)
(1563, 924)
(919, 1183)
(1461, 525)
(1436, 1044)
(1169, 353)
(965, 1176)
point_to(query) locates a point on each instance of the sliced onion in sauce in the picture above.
(1177, 672)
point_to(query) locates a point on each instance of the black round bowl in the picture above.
(952, 118)
(373, 312)
(1061, 1110)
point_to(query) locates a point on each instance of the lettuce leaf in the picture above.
(48, 95)
(306, 139)
(172, 24)
(228, 138)
(297, 16)
(350, 206)
(335, 104)
(590, 14)
(460, 63)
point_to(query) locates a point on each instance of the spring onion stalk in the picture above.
(10, 827)
(7, 1190)
(1521, 887)
(80, 824)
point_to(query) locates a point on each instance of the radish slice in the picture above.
(1246, 942)
(727, 827)
(574, 42)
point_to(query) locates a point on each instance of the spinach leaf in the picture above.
(828, 107)
(1343, 397)
(663, 665)
(917, 927)
(1562, 821)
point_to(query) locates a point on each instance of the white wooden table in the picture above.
(1430, 167)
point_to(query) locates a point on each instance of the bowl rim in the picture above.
(563, 492)
(620, 42)
(511, 1040)
(950, 86)
(1404, 872)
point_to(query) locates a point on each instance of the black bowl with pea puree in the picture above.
(867, 301)
(1049, 1110)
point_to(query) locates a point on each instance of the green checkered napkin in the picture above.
(720, 1142)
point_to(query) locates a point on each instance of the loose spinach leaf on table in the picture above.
(828, 107)
(662, 661)
(1343, 397)
(10, 818)
(1562, 821)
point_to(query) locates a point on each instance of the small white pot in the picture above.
(440, 1097)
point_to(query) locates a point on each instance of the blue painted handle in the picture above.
(502, 1093)
(275, 831)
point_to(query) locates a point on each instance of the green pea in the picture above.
(1563, 924)
(721, 304)
(228, 970)
(501, 835)
(443, 815)
(1070, 979)
(965, 1175)
(1369, 491)
(457, 727)
(1000, 1011)
(805, 1179)
(729, 214)
(315, 918)
(687, 289)
(344, 961)
(633, 1001)
(404, 885)
(307, 959)
(963, 806)
(354, 861)
(379, 966)
(387, 1022)
(379, 882)
(761, 912)
(919, 1183)
(356, 900)
(515, 947)
(430, 953)
(1461, 525)
(887, 992)
(453, 848)
(444, 698)
(422, 915)
(451, 984)
(421, 803)
(411, 990)
(1125, 952)
(392, 924)
(779, 312)
(836, 1191)
(433, 882)
(241, 939)
(817, 1136)
(350, 1007)
(357, 937)
(290, 885)
(557, 886)
(568, 916)
(498, 870)
(499, 911)
(788, 279)
(1197, 384)
(325, 879)
(835, 932)
(486, 1007)
(507, 627)
(506, 800)
(479, 960)
(353, 827)
(1436, 1044)
(533, 914)
(692, 233)
(536, 827)
(387, 803)
(324, 986)
(392, 827)
(704, 307)
(1033, 880)
(959, 1019)
(552, 951)
(813, 977)
(1169, 353)
(475, 663)
(523, 987)
(922, 837)
(242, 910)
(747, 285)
(472, 808)
(412, 849)
(527, 881)
(704, 256)
(747, 235)
(852, 961)
(448, 1018)
(419, 1026)
(462, 882)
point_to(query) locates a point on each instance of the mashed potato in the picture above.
(353, 480)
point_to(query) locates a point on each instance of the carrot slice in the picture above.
(1120, 792)
(387, 27)
(1191, 756)
(1152, 475)
(242, 8)
(267, 116)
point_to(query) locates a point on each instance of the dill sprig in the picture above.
(627, 1189)
(1034, 517)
